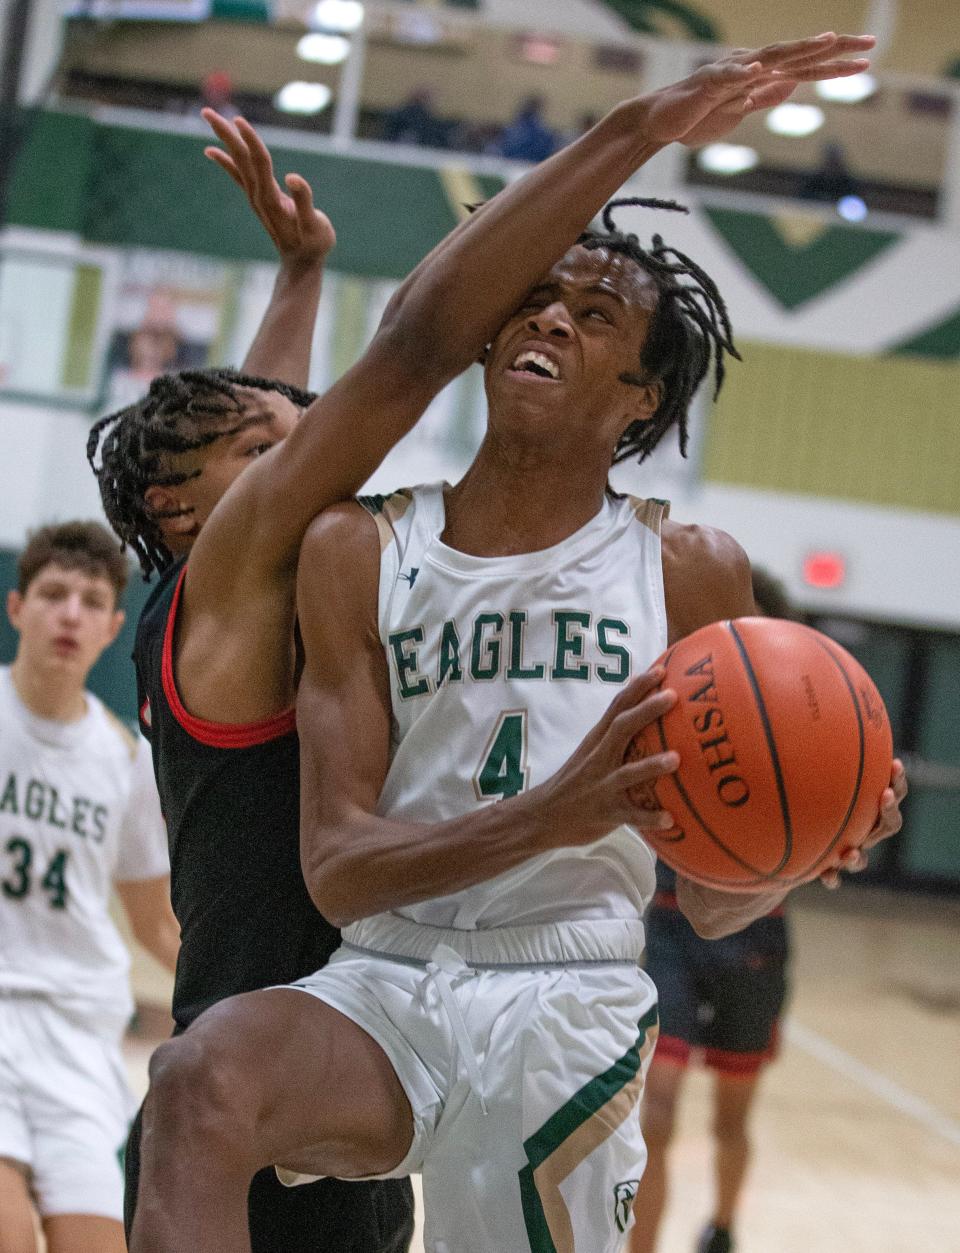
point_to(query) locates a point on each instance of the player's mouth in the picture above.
(66, 646)
(536, 366)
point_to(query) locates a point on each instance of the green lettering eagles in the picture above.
(495, 647)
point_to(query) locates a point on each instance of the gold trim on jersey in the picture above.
(650, 512)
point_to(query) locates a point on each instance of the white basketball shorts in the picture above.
(523, 1053)
(65, 1107)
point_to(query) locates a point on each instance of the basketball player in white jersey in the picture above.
(79, 815)
(486, 1021)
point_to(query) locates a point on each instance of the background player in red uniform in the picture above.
(722, 997)
(216, 697)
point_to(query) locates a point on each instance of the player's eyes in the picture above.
(258, 450)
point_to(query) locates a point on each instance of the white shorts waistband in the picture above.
(554, 943)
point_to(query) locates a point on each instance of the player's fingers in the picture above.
(228, 135)
(302, 196)
(219, 157)
(786, 50)
(771, 95)
(725, 78)
(645, 769)
(260, 159)
(628, 697)
(818, 72)
(631, 721)
(898, 780)
(889, 822)
(842, 45)
(829, 43)
(647, 819)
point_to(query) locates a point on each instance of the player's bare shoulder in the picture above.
(706, 576)
(338, 570)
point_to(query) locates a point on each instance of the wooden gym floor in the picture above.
(857, 1125)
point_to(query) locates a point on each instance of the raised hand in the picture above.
(301, 233)
(715, 98)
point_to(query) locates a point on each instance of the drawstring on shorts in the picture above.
(446, 963)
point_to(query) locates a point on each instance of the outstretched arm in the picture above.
(302, 236)
(237, 609)
(457, 298)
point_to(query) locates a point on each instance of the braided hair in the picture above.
(179, 413)
(689, 329)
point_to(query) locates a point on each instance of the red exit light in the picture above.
(824, 569)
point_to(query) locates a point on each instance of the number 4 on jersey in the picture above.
(503, 769)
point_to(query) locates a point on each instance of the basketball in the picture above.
(785, 749)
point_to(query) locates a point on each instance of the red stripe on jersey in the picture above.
(215, 734)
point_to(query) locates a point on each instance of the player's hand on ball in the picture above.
(889, 822)
(589, 795)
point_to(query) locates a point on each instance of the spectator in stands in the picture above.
(527, 137)
(832, 179)
(414, 121)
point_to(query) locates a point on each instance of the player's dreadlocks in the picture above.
(689, 328)
(179, 413)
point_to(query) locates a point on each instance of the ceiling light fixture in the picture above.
(342, 16)
(323, 49)
(727, 158)
(795, 120)
(847, 90)
(305, 98)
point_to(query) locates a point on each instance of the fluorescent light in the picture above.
(302, 97)
(847, 90)
(795, 120)
(323, 49)
(853, 208)
(727, 158)
(337, 15)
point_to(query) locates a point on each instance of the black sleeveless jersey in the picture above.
(230, 797)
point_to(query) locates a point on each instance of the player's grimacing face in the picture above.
(65, 618)
(561, 356)
(267, 418)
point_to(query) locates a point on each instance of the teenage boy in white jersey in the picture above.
(79, 815)
(487, 1022)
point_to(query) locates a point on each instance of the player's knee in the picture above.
(198, 1093)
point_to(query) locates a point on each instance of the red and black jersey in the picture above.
(230, 796)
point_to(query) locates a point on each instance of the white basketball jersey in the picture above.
(498, 668)
(78, 810)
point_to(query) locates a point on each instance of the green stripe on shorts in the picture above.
(561, 1125)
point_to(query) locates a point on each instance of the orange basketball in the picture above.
(785, 749)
